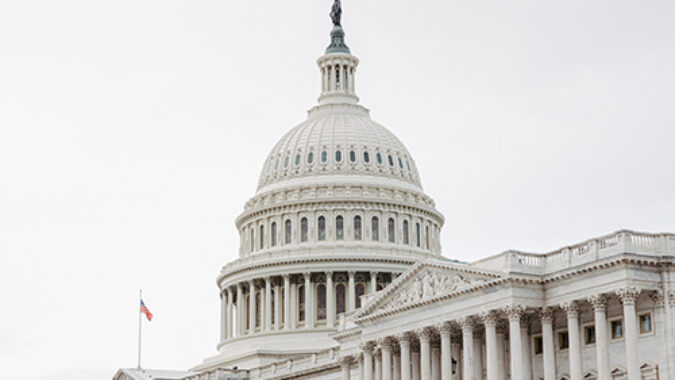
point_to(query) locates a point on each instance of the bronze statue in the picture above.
(336, 13)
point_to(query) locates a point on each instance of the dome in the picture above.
(339, 140)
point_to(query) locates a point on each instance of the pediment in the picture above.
(425, 281)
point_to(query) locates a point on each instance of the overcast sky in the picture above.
(132, 133)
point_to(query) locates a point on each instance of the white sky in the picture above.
(132, 133)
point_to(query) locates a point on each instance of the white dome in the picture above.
(339, 140)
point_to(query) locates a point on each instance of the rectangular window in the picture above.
(589, 334)
(538, 345)
(645, 323)
(617, 328)
(563, 340)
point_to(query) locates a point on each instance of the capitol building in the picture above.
(341, 275)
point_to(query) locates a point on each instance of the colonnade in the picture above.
(293, 301)
(338, 76)
(454, 349)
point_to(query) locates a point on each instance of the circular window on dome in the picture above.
(352, 156)
(324, 156)
(400, 163)
(338, 156)
(286, 162)
(366, 157)
(297, 159)
(378, 156)
(310, 157)
(391, 161)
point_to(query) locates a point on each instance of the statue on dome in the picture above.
(336, 13)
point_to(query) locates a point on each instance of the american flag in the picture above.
(146, 311)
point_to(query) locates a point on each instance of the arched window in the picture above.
(378, 156)
(258, 308)
(366, 157)
(406, 239)
(303, 230)
(400, 163)
(417, 234)
(352, 156)
(301, 303)
(391, 161)
(390, 230)
(321, 229)
(286, 162)
(272, 305)
(426, 236)
(324, 156)
(360, 290)
(246, 311)
(337, 78)
(340, 300)
(321, 302)
(274, 234)
(287, 232)
(357, 228)
(310, 157)
(282, 312)
(338, 156)
(252, 240)
(262, 237)
(375, 228)
(339, 228)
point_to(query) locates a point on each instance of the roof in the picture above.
(152, 374)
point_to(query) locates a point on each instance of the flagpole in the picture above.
(140, 299)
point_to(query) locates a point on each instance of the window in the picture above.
(406, 239)
(407, 163)
(276, 164)
(352, 156)
(303, 230)
(252, 240)
(297, 159)
(282, 312)
(324, 156)
(339, 228)
(538, 345)
(390, 230)
(400, 163)
(286, 162)
(274, 234)
(563, 340)
(391, 161)
(272, 305)
(366, 157)
(340, 300)
(287, 232)
(360, 290)
(337, 79)
(246, 310)
(357, 228)
(301, 303)
(338, 156)
(417, 234)
(378, 156)
(321, 302)
(258, 305)
(375, 229)
(262, 237)
(310, 157)
(616, 328)
(645, 323)
(589, 334)
(426, 235)
(322, 229)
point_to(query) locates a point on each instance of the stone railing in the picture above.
(320, 359)
(623, 241)
(220, 374)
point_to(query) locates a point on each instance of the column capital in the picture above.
(346, 361)
(407, 336)
(489, 318)
(267, 279)
(329, 273)
(599, 302)
(466, 323)
(373, 273)
(659, 298)
(546, 315)
(445, 327)
(628, 295)
(571, 308)
(286, 276)
(387, 342)
(514, 312)
(351, 273)
(307, 275)
(368, 347)
(424, 333)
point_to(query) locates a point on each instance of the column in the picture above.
(404, 340)
(628, 297)
(599, 303)
(514, 313)
(373, 282)
(330, 299)
(396, 365)
(367, 349)
(547, 340)
(415, 354)
(435, 360)
(277, 306)
(268, 304)
(572, 310)
(223, 316)
(240, 309)
(425, 352)
(230, 296)
(457, 355)
(287, 302)
(490, 322)
(351, 296)
(309, 305)
(501, 351)
(467, 341)
(251, 306)
(525, 343)
(478, 357)
(377, 356)
(346, 363)
(387, 345)
(446, 353)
